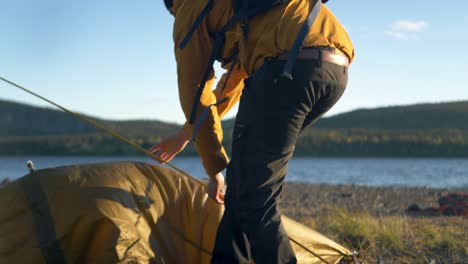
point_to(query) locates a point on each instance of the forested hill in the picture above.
(417, 130)
(422, 116)
(18, 119)
(24, 120)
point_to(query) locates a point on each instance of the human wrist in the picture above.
(219, 177)
(216, 177)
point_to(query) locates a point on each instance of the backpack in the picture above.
(243, 11)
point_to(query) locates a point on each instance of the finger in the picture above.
(220, 198)
(170, 157)
(164, 156)
(220, 190)
(155, 148)
(156, 158)
(160, 161)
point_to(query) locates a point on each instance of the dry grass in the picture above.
(372, 221)
(396, 239)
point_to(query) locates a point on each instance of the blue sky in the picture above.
(114, 58)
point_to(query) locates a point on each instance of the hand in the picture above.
(169, 147)
(216, 188)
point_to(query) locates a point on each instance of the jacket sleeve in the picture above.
(230, 87)
(192, 61)
(211, 152)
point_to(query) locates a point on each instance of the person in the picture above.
(192, 61)
(273, 111)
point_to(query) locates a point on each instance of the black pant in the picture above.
(272, 113)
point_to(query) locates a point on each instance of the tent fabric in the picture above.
(122, 212)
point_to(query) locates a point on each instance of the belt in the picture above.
(314, 53)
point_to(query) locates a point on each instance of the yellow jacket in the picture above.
(270, 34)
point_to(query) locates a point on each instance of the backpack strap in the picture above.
(233, 61)
(202, 117)
(197, 23)
(244, 18)
(219, 38)
(288, 67)
(219, 101)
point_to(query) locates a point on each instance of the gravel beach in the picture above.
(301, 200)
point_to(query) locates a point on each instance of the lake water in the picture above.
(436, 173)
